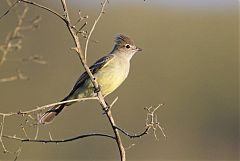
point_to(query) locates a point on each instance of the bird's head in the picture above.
(125, 45)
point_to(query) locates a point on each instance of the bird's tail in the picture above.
(48, 116)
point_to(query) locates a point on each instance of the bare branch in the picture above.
(130, 146)
(43, 7)
(45, 106)
(134, 135)
(4, 115)
(18, 152)
(118, 138)
(79, 20)
(59, 141)
(13, 5)
(114, 101)
(37, 131)
(93, 27)
(152, 122)
(24, 131)
(50, 135)
(66, 16)
(80, 29)
(1, 135)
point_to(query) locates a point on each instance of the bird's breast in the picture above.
(112, 76)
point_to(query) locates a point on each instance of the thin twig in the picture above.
(13, 5)
(130, 146)
(37, 131)
(24, 131)
(93, 27)
(50, 135)
(1, 135)
(46, 106)
(118, 138)
(152, 122)
(114, 101)
(66, 16)
(134, 135)
(59, 141)
(18, 153)
(80, 29)
(43, 7)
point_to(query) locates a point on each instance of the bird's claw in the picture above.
(97, 89)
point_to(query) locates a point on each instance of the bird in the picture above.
(110, 71)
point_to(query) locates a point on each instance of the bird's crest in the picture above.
(121, 40)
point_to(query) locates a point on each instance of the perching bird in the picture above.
(109, 71)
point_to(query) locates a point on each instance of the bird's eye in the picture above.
(127, 46)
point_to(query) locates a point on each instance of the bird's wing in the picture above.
(101, 63)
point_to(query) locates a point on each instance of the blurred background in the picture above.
(189, 62)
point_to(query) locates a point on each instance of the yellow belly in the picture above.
(109, 78)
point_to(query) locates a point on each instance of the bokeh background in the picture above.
(189, 62)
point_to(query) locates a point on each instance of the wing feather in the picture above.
(101, 63)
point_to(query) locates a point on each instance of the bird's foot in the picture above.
(97, 89)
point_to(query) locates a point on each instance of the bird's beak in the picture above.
(138, 49)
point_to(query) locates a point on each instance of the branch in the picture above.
(134, 135)
(18, 153)
(13, 5)
(1, 134)
(34, 4)
(64, 5)
(93, 27)
(59, 141)
(4, 115)
(151, 123)
(45, 106)
(43, 7)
